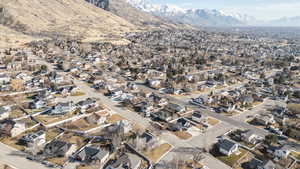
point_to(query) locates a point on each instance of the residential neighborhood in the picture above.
(169, 99)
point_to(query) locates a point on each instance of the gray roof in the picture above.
(226, 144)
(57, 148)
(30, 137)
(92, 153)
(2, 110)
(269, 165)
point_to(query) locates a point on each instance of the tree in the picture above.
(44, 67)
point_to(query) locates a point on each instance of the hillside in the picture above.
(139, 18)
(10, 38)
(76, 18)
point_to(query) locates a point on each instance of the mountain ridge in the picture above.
(209, 17)
(72, 18)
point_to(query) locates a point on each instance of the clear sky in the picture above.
(261, 9)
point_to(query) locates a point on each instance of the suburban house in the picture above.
(57, 148)
(267, 165)
(4, 112)
(86, 104)
(62, 108)
(184, 123)
(121, 127)
(38, 139)
(38, 104)
(147, 109)
(227, 147)
(147, 140)
(91, 153)
(126, 125)
(279, 152)
(126, 161)
(10, 128)
(96, 118)
(164, 115)
(199, 118)
(156, 83)
(4, 78)
(175, 108)
(249, 137)
(264, 119)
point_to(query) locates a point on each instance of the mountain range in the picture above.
(207, 17)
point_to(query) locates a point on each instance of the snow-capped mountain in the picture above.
(196, 17)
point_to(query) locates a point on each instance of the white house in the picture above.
(126, 125)
(4, 78)
(4, 112)
(249, 137)
(18, 128)
(38, 138)
(227, 147)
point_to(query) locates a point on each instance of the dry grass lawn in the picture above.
(183, 135)
(12, 143)
(231, 160)
(81, 125)
(212, 121)
(48, 119)
(256, 103)
(115, 118)
(52, 133)
(16, 114)
(155, 154)
(78, 94)
(296, 155)
(295, 108)
(73, 139)
(58, 161)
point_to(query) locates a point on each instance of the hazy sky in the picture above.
(261, 9)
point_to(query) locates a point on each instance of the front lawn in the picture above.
(12, 142)
(155, 154)
(81, 124)
(229, 160)
(212, 121)
(115, 118)
(52, 133)
(296, 155)
(183, 135)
